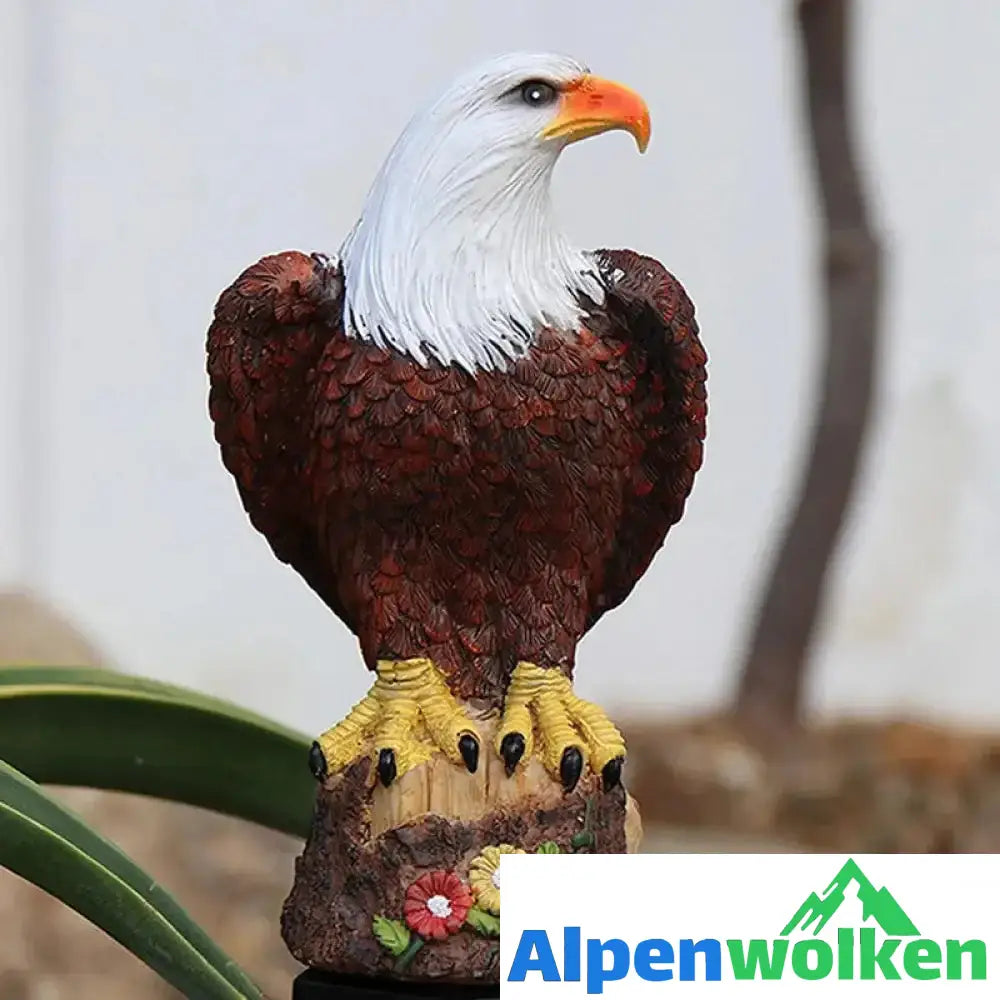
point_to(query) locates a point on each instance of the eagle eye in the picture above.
(538, 93)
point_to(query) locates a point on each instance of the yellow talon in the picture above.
(541, 700)
(517, 719)
(602, 735)
(408, 715)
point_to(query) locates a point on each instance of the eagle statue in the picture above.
(469, 436)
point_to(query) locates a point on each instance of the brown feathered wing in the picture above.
(270, 328)
(669, 402)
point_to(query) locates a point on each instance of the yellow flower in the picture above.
(484, 877)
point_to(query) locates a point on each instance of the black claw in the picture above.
(571, 767)
(317, 762)
(468, 747)
(387, 766)
(611, 775)
(512, 750)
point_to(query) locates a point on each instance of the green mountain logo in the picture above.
(878, 905)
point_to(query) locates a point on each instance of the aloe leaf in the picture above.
(45, 843)
(38, 676)
(101, 729)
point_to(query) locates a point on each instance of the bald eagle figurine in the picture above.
(469, 436)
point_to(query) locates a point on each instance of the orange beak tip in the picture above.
(642, 135)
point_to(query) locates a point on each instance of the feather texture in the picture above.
(477, 519)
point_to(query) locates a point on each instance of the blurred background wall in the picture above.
(151, 151)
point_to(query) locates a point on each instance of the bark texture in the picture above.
(345, 877)
(771, 684)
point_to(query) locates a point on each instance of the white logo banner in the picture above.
(750, 924)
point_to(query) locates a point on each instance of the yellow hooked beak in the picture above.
(590, 105)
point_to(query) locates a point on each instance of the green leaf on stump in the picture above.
(393, 935)
(483, 923)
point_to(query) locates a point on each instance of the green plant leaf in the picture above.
(393, 935)
(483, 923)
(549, 847)
(102, 729)
(45, 843)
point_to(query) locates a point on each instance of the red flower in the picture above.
(436, 904)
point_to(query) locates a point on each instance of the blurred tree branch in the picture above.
(770, 688)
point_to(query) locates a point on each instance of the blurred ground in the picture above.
(32, 632)
(872, 786)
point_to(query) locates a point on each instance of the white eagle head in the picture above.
(456, 258)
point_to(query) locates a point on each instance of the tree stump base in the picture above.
(346, 913)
